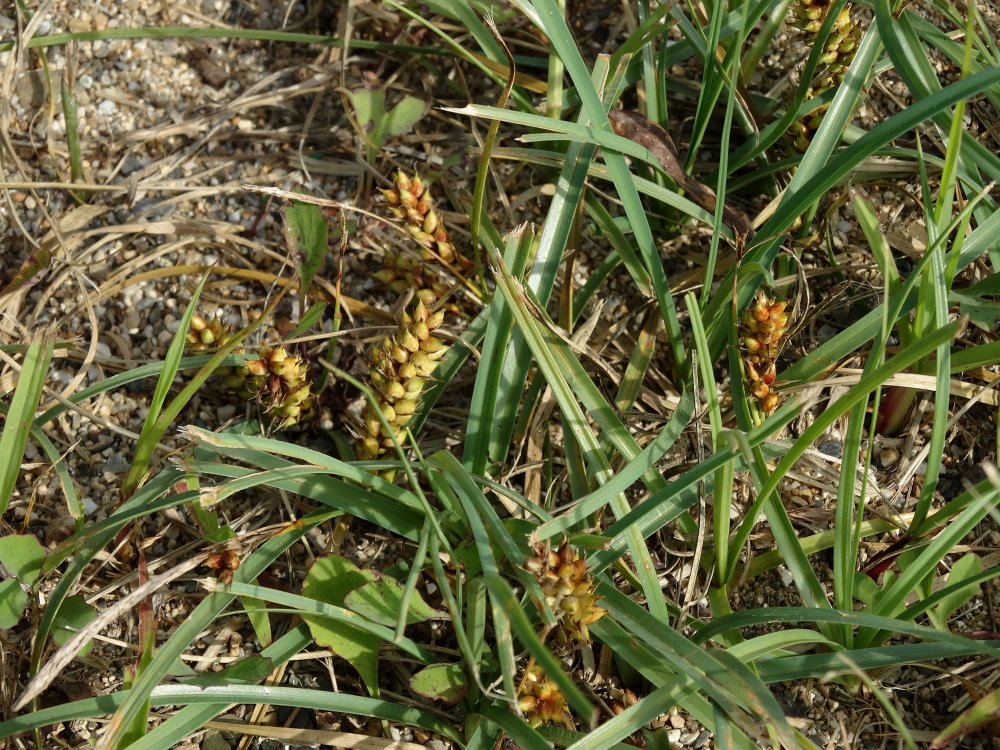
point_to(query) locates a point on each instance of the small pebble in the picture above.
(786, 575)
(888, 456)
(832, 448)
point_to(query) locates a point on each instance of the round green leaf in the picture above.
(447, 683)
(330, 580)
(74, 615)
(22, 555)
(13, 600)
(382, 599)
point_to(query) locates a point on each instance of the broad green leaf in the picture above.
(979, 302)
(866, 590)
(13, 600)
(401, 118)
(369, 105)
(380, 600)
(306, 232)
(74, 615)
(330, 580)
(447, 683)
(967, 566)
(22, 555)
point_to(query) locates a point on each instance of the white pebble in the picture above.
(786, 575)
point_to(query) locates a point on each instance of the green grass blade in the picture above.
(169, 695)
(893, 597)
(650, 664)
(723, 486)
(595, 111)
(17, 425)
(189, 719)
(779, 615)
(495, 396)
(544, 345)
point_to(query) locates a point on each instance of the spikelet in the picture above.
(541, 701)
(401, 273)
(809, 15)
(838, 51)
(568, 590)
(410, 199)
(762, 332)
(206, 335)
(401, 367)
(280, 381)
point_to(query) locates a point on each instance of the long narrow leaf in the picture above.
(17, 425)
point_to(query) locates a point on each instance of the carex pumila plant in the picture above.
(401, 367)
(402, 364)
